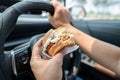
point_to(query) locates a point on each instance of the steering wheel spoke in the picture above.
(17, 60)
(8, 20)
(20, 59)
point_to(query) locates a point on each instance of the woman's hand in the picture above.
(61, 16)
(46, 69)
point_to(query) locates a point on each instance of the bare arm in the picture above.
(104, 53)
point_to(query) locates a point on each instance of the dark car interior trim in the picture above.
(30, 25)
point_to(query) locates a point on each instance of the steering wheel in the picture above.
(8, 19)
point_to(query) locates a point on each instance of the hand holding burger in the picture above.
(55, 40)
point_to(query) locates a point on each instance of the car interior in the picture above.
(22, 23)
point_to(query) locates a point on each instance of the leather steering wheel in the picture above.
(8, 20)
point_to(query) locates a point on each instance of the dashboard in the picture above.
(30, 25)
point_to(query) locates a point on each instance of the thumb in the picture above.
(58, 58)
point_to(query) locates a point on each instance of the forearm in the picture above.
(107, 55)
(104, 53)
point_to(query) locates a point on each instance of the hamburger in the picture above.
(55, 40)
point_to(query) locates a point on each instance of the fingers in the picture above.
(58, 59)
(37, 48)
(55, 3)
(58, 6)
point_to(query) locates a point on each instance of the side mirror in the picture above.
(77, 12)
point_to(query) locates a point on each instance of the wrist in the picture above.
(71, 29)
(68, 27)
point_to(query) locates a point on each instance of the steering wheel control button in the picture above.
(24, 58)
(21, 59)
(22, 62)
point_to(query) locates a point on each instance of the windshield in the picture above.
(92, 9)
(98, 9)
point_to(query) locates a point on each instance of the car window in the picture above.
(98, 9)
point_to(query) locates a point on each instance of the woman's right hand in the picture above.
(61, 16)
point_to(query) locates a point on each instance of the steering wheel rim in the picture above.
(8, 20)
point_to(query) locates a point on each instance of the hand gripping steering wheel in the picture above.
(8, 20)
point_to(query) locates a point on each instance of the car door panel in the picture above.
(108, 31)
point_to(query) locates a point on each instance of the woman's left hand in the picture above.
(46, 69)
